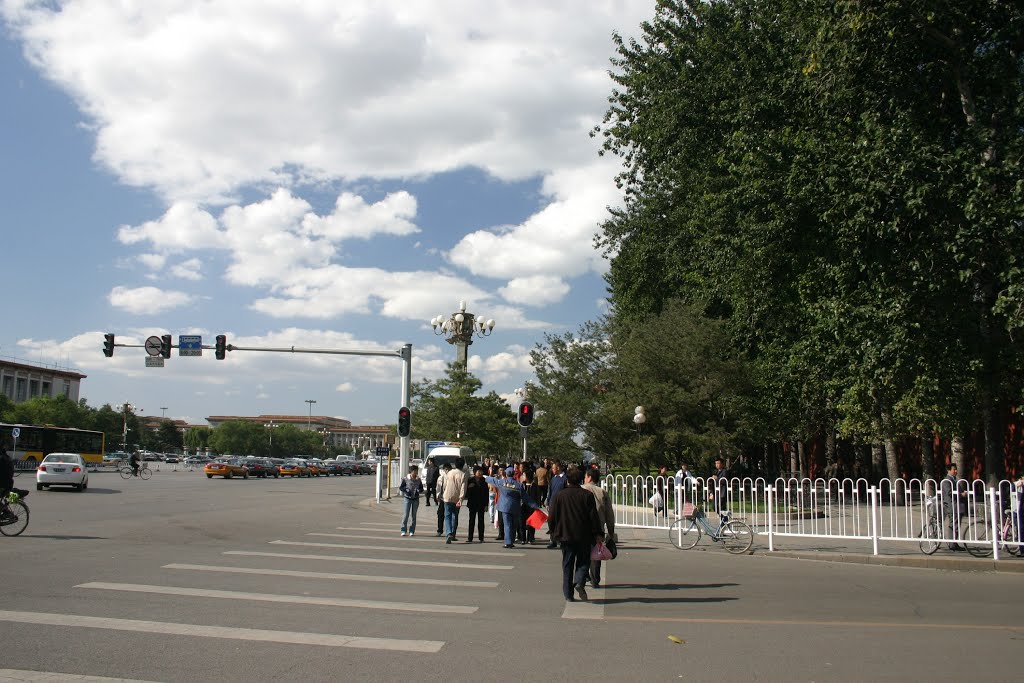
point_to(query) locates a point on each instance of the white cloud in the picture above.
(147, 300)
(188, 270)
(153, 261)
(321, 89)
(345, 387)
(183, 226)
(502, 365)
(353, 217)
(535, 290)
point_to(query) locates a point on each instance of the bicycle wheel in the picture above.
(145, 472)
(20, 521)
(737, 537)
(980, 534)
(126, 472)
(684, 533)
(1010, 542)
(929, 539)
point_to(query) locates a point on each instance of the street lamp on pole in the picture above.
(325, 432)
(163, 412)
(639, 418)
(459, 328)
(309, 422)
(270, 428)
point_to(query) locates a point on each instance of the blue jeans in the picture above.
(512, 521)
(409, 508)
(575, 566)
(451, 519)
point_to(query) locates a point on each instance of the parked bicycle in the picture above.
(687, 530)
(930, 532)
(127, 472)
(13, 513)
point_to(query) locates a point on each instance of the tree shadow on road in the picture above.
(66, 537)
(669, 586)
(659, 600)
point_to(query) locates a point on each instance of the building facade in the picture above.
(20, 381)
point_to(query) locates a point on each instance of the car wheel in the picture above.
(229, 475)
(85, 484)
(79, 487)
(39, 487)
(209, 476)
(245, 475)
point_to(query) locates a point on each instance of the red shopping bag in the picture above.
(537, 519)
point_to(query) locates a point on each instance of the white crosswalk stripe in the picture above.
(442, 548)
(232, 633)
(21, 676)
(266, 597)
(326, 575)
(370, 560)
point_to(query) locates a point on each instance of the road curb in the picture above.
(1010, 566)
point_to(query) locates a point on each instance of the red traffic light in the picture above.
(525, 414)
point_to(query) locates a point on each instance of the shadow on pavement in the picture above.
(101, 491)
(658, 601)
(669, 586)
(65, 537)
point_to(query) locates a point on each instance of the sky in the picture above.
(312, 174)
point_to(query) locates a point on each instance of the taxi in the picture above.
(295, 468)
(226, 468)
(317, 468)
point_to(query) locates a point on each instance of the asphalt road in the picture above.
(181, 578)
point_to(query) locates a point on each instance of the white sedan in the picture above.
(62, 469)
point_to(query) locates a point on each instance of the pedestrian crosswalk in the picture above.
(414, 578)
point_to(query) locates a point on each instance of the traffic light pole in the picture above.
(405, 353)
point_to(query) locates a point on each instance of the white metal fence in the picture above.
(965, 512)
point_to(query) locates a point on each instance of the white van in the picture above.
(345, 458)
(443, 454)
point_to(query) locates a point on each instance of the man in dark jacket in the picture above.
(6, 469)
(432, 473)
(477, 494)
(557, 484)
(573, 520)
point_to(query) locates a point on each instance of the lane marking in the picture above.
(20, 676)
(229, 633)
(290, 599)
(325, 575)
(370, 560)
(841, 624)
(390, 525)
(428, 536)
(397, 549)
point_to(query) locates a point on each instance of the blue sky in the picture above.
(331, 175)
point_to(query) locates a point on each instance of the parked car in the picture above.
(338, 469)
(317, 467)
(173, 459)
(62, 469)
(365, 467)
(226, 468)
(262, 467)
(294, 468)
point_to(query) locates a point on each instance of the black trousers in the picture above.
(440, 516)
(432, 492)
(478, 517)
(575, 566)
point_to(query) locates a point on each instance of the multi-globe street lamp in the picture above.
(309, 421)
(459, 328)
(271, 426)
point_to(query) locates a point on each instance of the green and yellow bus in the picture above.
(35, 442)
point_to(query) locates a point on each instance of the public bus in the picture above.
(35, 442)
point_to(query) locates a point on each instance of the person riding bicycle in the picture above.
(134, 462)
(6, 474)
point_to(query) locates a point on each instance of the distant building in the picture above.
(21, 381)
(337, 433)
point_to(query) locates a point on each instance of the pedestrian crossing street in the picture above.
(269, 591)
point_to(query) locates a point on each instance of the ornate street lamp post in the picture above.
(309, 422)
(459, 328)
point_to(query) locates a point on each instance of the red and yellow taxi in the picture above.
(295, 468)
(227, 468)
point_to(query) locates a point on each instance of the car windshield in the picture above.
(62, 457)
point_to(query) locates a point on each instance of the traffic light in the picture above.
(525, 414)
(404, 421)
(165, 346)
(108, 345)
(222, 347)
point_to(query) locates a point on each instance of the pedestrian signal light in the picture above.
(222, 347)
(165, 346)
(525, 414)
(404, 421)
(108, 345)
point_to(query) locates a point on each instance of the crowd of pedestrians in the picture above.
(505, 496)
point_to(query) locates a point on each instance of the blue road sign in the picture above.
(431, 445)
(190, 345)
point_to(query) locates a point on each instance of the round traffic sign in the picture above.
(16, 432)
(153, 345)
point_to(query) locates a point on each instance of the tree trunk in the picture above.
(877, 461)
(830, 448)
(957, 456)
(794, 457)
(993, 443)
(927, 455)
